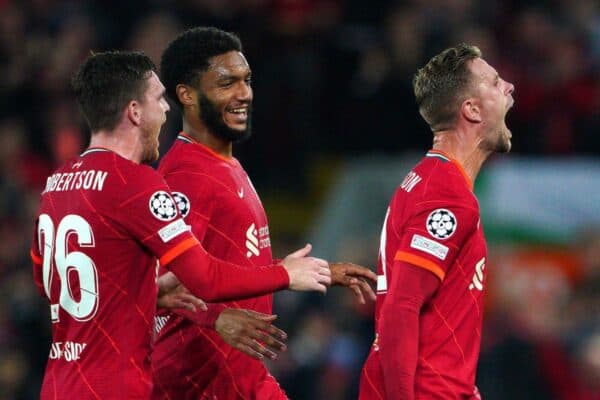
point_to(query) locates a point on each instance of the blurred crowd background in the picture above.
(334, 118)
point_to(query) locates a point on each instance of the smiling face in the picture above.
(155, 107)
(495, 97)
(225, 97)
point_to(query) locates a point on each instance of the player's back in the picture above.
(433, 223)
(99, 278)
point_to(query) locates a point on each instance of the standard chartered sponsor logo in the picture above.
(160, 322)
(252, 241)
(256, 239)
(69, 351)
(478, 276)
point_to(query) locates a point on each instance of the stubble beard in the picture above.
(213, 119)
(150, 145)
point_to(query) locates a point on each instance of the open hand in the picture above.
(251, 332)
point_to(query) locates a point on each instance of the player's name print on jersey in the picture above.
(410, 181)
(68, 351)
(86, 180)
(257, 239)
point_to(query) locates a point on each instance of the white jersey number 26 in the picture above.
(54, 247)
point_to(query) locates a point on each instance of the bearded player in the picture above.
(206, 73)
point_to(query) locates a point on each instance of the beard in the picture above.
(213, 119)
(150, 145)
(503, 143)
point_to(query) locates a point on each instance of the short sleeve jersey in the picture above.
(103, 223)
(219, 202)
(433, 223)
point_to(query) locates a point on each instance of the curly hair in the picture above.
(442, 84)
(186, 57)
(106, 82)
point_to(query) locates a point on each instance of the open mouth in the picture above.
(238, 115)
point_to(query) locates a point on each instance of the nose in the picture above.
(244, 91)
(510, 88)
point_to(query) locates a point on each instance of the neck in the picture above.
(462, 147)
(124, 144)
(200, 133)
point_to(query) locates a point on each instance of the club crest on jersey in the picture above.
(162, 206)
(183, 203)
(441, 223)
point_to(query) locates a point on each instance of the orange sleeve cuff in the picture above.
(35, 258)
(420, 262)
(178, 250)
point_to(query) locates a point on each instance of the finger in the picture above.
(270, 329)
(276, 332)
(193, 300)
(260, 349)
(270, 341)
(325, 271)
(320, 262)
(366, 288)
(249, 351)
(320, 288)
(261, 316)
(357, 270)
(324, 279)
(358, 293)
(303, 252)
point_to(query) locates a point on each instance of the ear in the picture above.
(186, 95)
(134, 112)
(471, 110)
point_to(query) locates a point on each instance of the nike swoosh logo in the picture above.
(241, 193)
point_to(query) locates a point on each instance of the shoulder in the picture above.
(445, 182)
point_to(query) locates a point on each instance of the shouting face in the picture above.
(495, 95)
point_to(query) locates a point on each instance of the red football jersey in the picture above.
(217, 199)
(433, 223)
(102, 220)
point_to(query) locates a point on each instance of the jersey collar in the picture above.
(184, 137)
(446, 158)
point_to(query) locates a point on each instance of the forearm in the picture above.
(411, 288)
(214, 280)
(399, 349)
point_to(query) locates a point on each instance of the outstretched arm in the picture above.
(216, 280)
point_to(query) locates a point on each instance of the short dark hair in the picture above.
(442, 84)
(106, 82)
(186, 57)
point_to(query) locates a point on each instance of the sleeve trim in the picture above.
(178, 250)
(421, 262)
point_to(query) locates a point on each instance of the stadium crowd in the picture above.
(332, 80)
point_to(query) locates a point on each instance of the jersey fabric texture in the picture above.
(433, 223)
(219, 202)
(102, 220)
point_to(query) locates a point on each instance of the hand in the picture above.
(250, 332)
(307, 273)
(172, 294)
(354, 277)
